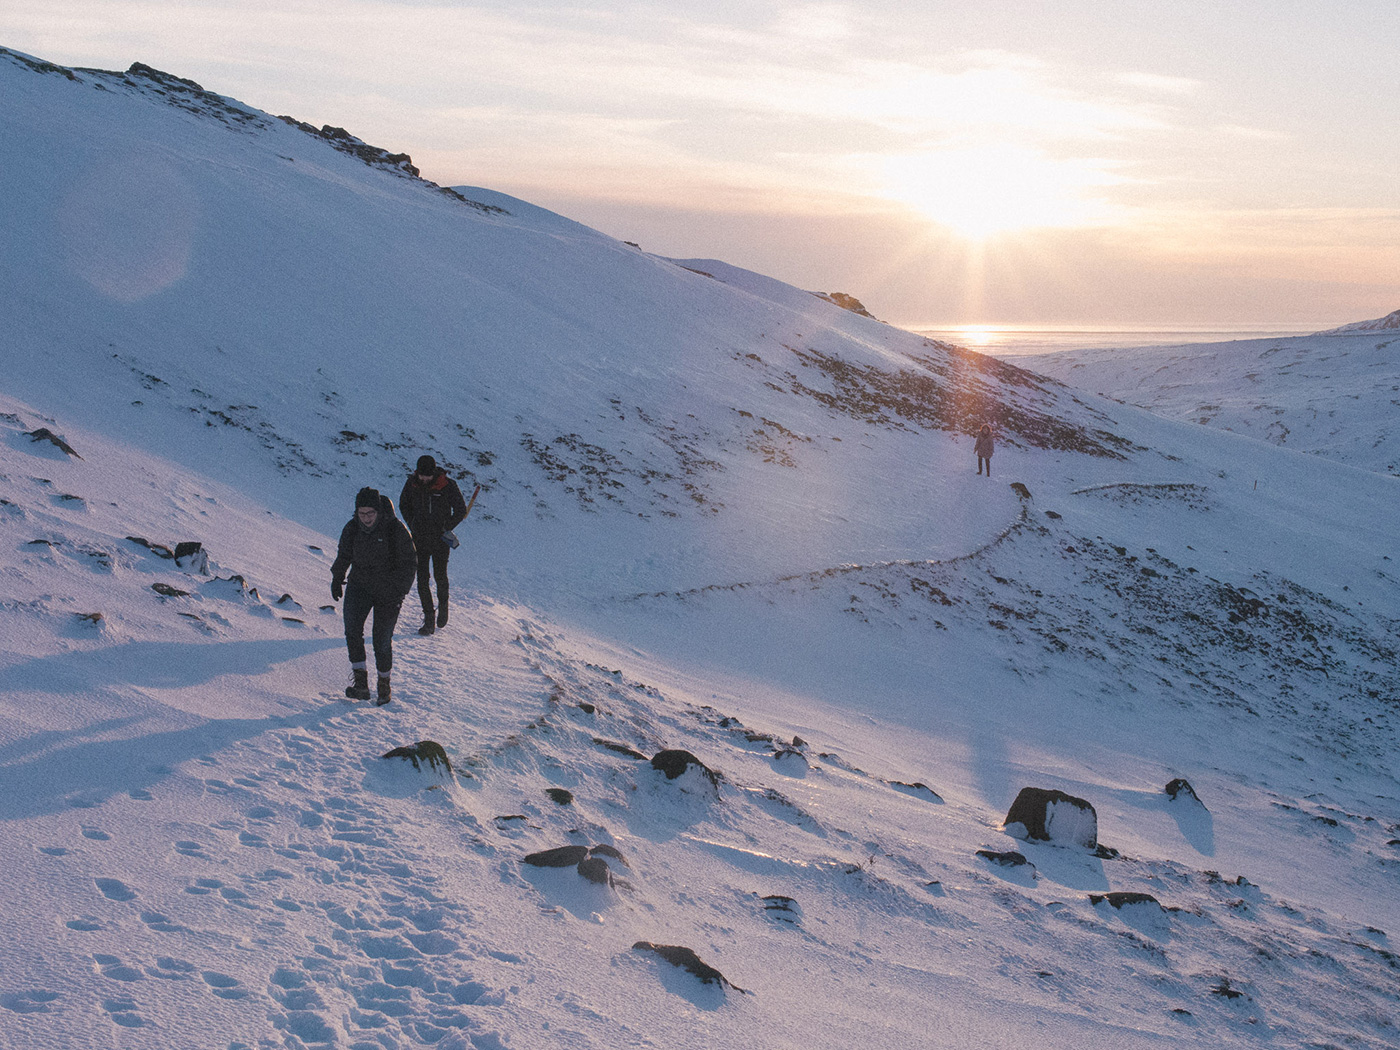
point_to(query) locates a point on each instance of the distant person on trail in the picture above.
(378, 552)
(983, 448)
(432, 507)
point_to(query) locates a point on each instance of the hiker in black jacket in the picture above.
(432, 507)
(378, 552)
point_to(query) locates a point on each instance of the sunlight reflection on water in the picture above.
(1017, 340)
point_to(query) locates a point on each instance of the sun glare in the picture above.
(983, 191)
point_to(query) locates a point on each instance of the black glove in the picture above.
(337, 589)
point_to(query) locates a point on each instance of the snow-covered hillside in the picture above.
(1334, 394)
(719, 515)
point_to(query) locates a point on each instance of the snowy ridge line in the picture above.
(838, 570)
(184, 94)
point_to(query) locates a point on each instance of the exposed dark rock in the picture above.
(586, 708)
(919, 789)
(782, 907)
(604, 850)
(674, 761)
(1181, 787)
(848, 302)
(429, 751)
(686, 959)
(92, 617)
(1009, 859)
(1224, 990)
(595, 869)
(1122, 898)
(621, 749)
(45, 434)
(560, 795)
(191, 556)
(158, 549)
(1039, 810)
(168, 591)
(559, 857)
(1053, 515)
(1020, 490)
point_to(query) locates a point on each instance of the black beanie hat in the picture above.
(367, 497)
(427, 465)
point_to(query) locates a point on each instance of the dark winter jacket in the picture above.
(432, 509)
(983, 447)
(380, 560)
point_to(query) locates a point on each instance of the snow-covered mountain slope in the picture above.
(1389, 323)
(718, 514)
(1334, 394)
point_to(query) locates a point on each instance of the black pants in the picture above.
(436, 554)
(358, 605)
(987, 460)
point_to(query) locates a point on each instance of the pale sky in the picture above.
(1106, 162)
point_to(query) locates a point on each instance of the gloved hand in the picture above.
(337, 589)
(451, 540)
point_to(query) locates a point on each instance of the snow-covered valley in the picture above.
(718, 514)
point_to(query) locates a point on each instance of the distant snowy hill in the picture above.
(718, 515)
(1334, 394)
(1389, 323)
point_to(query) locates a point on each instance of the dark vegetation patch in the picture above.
(957, 391)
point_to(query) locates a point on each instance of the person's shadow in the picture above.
(54, 769)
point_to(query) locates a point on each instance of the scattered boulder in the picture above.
(674, 761)
(596, 870)
(1123, 898)
(92, 617)
(1181, 788)
(621, 749)
(1020, 490)
(1047, 815)
(1009, 859)
(45, 434)
(1052, 515)
(782, 908)
(562, 796)
(191, 556)
(918, 789)
(158, 549)
(592, 862)
(559, 857)
(429, 751)
(686, 959)
(604, 850)
(168, 591)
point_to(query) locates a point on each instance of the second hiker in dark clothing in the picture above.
(983, 448)
(432, 507)
(377, 551)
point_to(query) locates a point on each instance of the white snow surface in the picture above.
(718, 514)
(1334, 394)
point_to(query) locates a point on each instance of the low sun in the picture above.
(982, 191)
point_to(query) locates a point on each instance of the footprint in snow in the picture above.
(115, 889)
(123, 1013)
(96, 834)
(84, 924)
(172, 969)
(111, 967)
(191, 848)
(224, 986)
(35, 1002)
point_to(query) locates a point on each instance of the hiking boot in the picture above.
(385, 695)
(427, 627)
(442, 615)
(358, 689)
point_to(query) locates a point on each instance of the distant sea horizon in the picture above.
(1014, 340)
